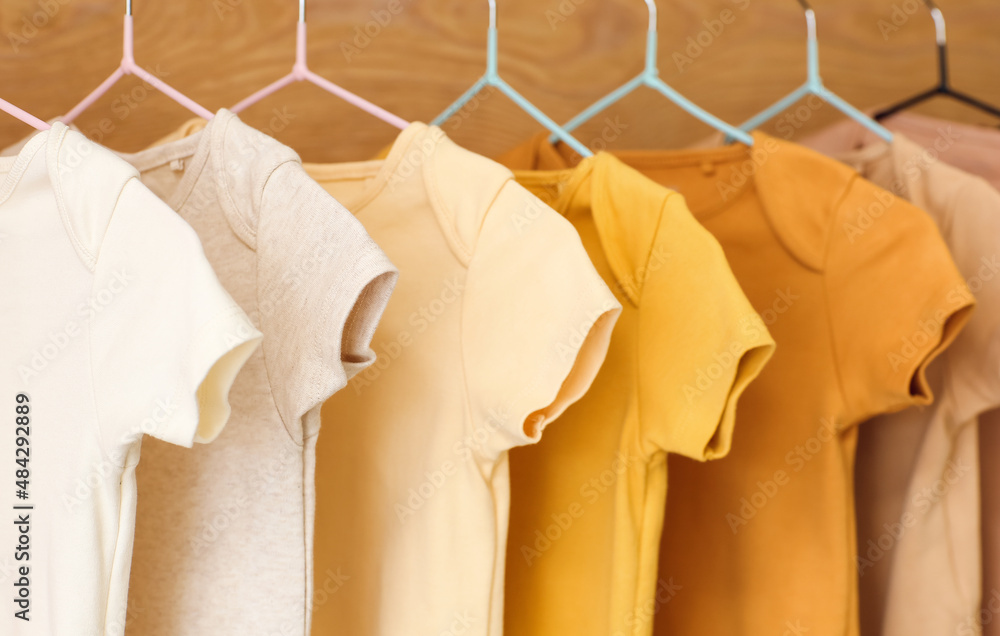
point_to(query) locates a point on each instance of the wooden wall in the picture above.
(562, 54)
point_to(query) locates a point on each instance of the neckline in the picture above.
(594, 184)
(16, 165)
(974, 135)
(379, 170)
(570, 180)
(196, 148)
(899, 154)
(642, 160)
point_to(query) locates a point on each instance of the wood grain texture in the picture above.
(561, 54)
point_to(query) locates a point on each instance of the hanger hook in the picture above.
(810, 19)
(493, 14)
(651, 5)
(939, 30)
(128, 7)
(302, 10)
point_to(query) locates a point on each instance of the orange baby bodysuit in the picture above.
(859, 292)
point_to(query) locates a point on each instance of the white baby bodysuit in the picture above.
(112, 325)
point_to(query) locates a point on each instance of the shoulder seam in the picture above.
(261, 316)
(446, 218)
(258, 201)
(52, 149)
(671, 195)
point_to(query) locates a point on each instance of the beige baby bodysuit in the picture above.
(112, 325)
(973, 149)
(919, 558)
(224, 538)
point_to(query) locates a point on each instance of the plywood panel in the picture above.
(562, 54)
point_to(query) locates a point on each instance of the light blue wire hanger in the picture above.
(650, 76)
(814, 86)
(492, 78)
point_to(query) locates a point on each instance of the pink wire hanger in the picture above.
(129, 67)
(24, 116)
(301, 73)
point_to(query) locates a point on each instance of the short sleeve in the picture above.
(700, 341)
(974, 236)
(894, 297)
(323, 284)
(166, 339)
(537, 320)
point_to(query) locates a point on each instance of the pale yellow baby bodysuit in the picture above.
(498, 323)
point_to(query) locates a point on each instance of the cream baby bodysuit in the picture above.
(112, 325)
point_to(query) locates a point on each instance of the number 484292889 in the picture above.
(22, 440)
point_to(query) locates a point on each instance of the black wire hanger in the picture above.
(943, 87)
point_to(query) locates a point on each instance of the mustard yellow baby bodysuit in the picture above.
(587, 504)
